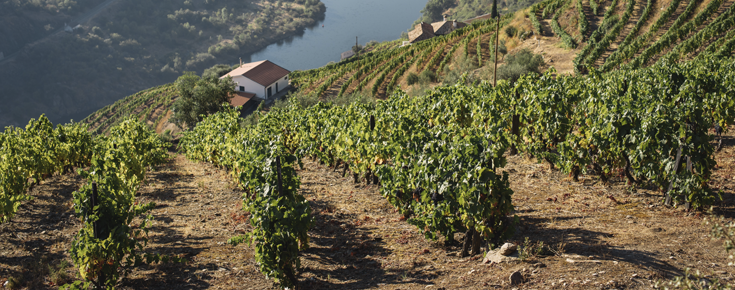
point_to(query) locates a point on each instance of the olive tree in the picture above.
(200, 97)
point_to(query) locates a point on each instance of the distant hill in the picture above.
(131, 46)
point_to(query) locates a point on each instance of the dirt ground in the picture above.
(594, 235)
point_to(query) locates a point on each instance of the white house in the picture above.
(262, 79)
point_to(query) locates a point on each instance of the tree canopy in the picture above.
(200, 97)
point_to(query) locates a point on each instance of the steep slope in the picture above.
(152, 106)
(131, 46)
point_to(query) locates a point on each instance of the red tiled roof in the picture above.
(262, 72)
(240, 98)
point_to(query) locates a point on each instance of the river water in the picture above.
(379, 20)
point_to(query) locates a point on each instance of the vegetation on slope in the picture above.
(466, 9)
(138, 44)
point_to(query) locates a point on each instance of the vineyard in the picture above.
(617, 166)
(436, 158)
(430, 175)
(152, 106)
(604, 35)
(608, 34)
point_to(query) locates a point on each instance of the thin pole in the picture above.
(280, 178)
(497, 37)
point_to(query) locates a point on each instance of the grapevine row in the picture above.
(679, 29)
(565, 37)
(628, 51)
(723, 23)
(610, 36)
(29, 156)
(594, 38)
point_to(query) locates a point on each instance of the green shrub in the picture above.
(427, 76)
(519, 64)
(510, 31)
(217, 71)
(412, 78)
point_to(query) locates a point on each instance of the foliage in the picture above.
(720, 25)
(582, 18)
(511, 31)
(631, 47)
(281, 217)
(434, 9)
(494, 12)
(217, 71)
(108, 244)
(357, 49)
(678, 30)
(139, 106)
(519, 64)
(427, 76)
(609, 18)
(611, 33)
(412, 78)
(534, 19)
(199, 97)
(558, 30)
(529, 250)
(462, 65)
(29, 156)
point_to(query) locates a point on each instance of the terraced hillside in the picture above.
(600, 34)
(381, 72)
(637, 33)
(152, 106)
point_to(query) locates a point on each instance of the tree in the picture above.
(357, 49)
(434, 9)
(494, 12)
(200, 97)
(521, 63)
(217, 70)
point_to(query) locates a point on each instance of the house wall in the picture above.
(282, 84)
(250, 86)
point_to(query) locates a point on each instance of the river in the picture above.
(379, 20)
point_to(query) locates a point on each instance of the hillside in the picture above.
(152, 106)
(23, 22)
(572, 35)
(127, 47)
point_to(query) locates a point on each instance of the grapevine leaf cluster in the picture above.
(109, 243)
(30, 155)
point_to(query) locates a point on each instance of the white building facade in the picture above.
(263, 79)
